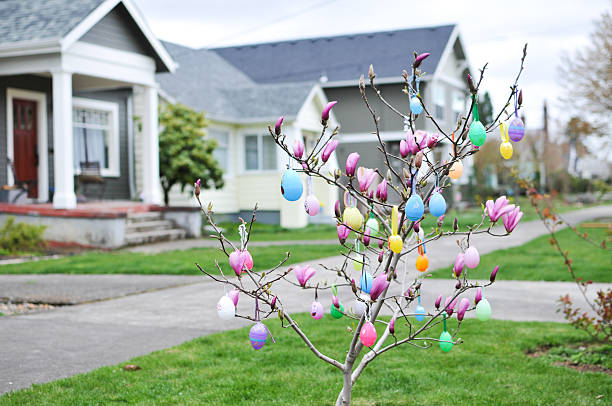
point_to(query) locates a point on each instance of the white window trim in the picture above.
(113, 159)
(438, 87)
(229, 171)
(41, 122)
(259, 155)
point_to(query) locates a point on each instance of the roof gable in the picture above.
(340, 58)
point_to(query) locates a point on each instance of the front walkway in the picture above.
(50, 345)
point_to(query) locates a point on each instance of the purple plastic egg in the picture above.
(516, 130)
(312, 205)
(471, 257)
(316, 310)
(258, 335)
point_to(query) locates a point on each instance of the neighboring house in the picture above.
(338, 62)
(239, 112)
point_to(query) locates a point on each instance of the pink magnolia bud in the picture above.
(277, 127)
(304, 166)
(335, 301)
(366, 237)
(520, 98)
(381, 191)
(463, 306)
(353, 286)
(379, 285)
(298, 148)
(441, 220)
(417, 226)
(494, 273)
(478, 296)
(326, 110)
(418, 161)
(380, 243)
(432, 141)
(404, 149)
(459, 264)
(419, 59)
(380, 254)
(351, 163)
(343, 233)
(328, 150)
(458, 285)
(273, 303)
(196, 187)
(438, 300)
(371, 194)
(392, 326)
(233, 294)
(337, 210)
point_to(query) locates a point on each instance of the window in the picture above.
(95, 132)
(259, 153)
(221, 153)
(439, 101)
(459, 103)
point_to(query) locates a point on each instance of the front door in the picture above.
(25, 144)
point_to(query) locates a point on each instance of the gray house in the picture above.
(338, 62)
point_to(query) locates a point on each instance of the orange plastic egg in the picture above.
(422, 263)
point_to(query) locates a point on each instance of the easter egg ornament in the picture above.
(367, 335)
(311, 204)
(395, 241)
(483, 309)
(358, 256)
(258, 335)
(415, 104)
(225, 308)
(352, 217)
(471, 257)
(456, 169)
(336, 312)
(516, 130)
(419, 311)
(291, 185)
(360, 304)
(446, 340)
(366, 282)
(477, 133)
(414, 206)
(373, 225)
(316, 310)
(505, 148)
(437, 204)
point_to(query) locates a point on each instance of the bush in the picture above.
(20, 237)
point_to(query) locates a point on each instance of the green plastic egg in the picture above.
(444, 345)
(335, 313)
(483, 310)
(478, 134)
(372, 224)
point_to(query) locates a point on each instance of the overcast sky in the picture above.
(493, 31)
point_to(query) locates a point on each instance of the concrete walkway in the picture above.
(50, 345)
(213, 243)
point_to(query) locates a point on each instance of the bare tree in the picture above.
(420, 176)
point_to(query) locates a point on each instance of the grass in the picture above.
(167, 263)
(489, 368)
(537, 260)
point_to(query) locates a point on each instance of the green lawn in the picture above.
(489, 368)
(168, 263)
(537, 260)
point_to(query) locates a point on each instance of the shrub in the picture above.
(20, 237)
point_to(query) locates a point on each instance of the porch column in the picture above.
(151, 188)
(63, 196)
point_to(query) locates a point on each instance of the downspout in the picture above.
(130, 136)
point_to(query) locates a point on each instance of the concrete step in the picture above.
(143, 226)
(154, 236)
(145, 216)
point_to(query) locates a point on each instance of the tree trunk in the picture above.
(344, 398)
(166, 196)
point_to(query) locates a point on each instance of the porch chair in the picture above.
(91, 175)
(20, 185)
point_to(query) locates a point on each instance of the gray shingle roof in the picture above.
(206, 82)
(339, 58)
(28, 20)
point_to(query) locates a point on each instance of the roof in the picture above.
(45, 26)
(340, 58)
(206, 82)
(41, 19)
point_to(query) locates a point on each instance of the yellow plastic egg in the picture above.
(422, 263)
(505, 149)
(357, 263)
(456, 170)
(396, 244)
(352, 217)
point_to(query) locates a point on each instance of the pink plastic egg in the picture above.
(471, 258)
(368, 334)
(312, 205)
(316, 310)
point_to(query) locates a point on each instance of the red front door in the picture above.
(25, 144)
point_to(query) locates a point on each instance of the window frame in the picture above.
(260, 160)
(438, 87)
(228, 146)
(455, 96)
(114, 168)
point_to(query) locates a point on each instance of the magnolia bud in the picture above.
(494, 274)
(353, 286)
(417, 226)
(196, 187)
(371, 73)
(455, 224)
(380, 257)
(419, 159)
(337, 210)
(277, 127)
(438, 300)
(380, 243)
(471, 84)
(478, 296)
(458, 285)
(361, 83)
(520, 98)
(419, 59)
(392, 326)
(273, 303)
(326, 110)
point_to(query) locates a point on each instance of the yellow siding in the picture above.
(261, 188)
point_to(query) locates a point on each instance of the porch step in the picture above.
(144, 216)
(143, 226)
(154, 236)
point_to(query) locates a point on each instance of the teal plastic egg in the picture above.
(366, 282)
(414, 207)
(291, 185)
(478, 134)
(415, 105)
(446, 341)
(437, 204)
(419, 313)
(483, 310)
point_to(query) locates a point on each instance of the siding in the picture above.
(25, 82)
(116, 188)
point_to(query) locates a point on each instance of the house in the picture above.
(337, 63)
(239, 111)
(69, 71)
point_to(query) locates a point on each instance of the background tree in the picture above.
(485, 107)
(184, 151)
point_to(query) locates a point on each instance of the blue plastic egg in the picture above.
(419, 313)
(437, 204)
(291, 185)
(516, 130)
(414, 207)
(366, 282)
(415, 105)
